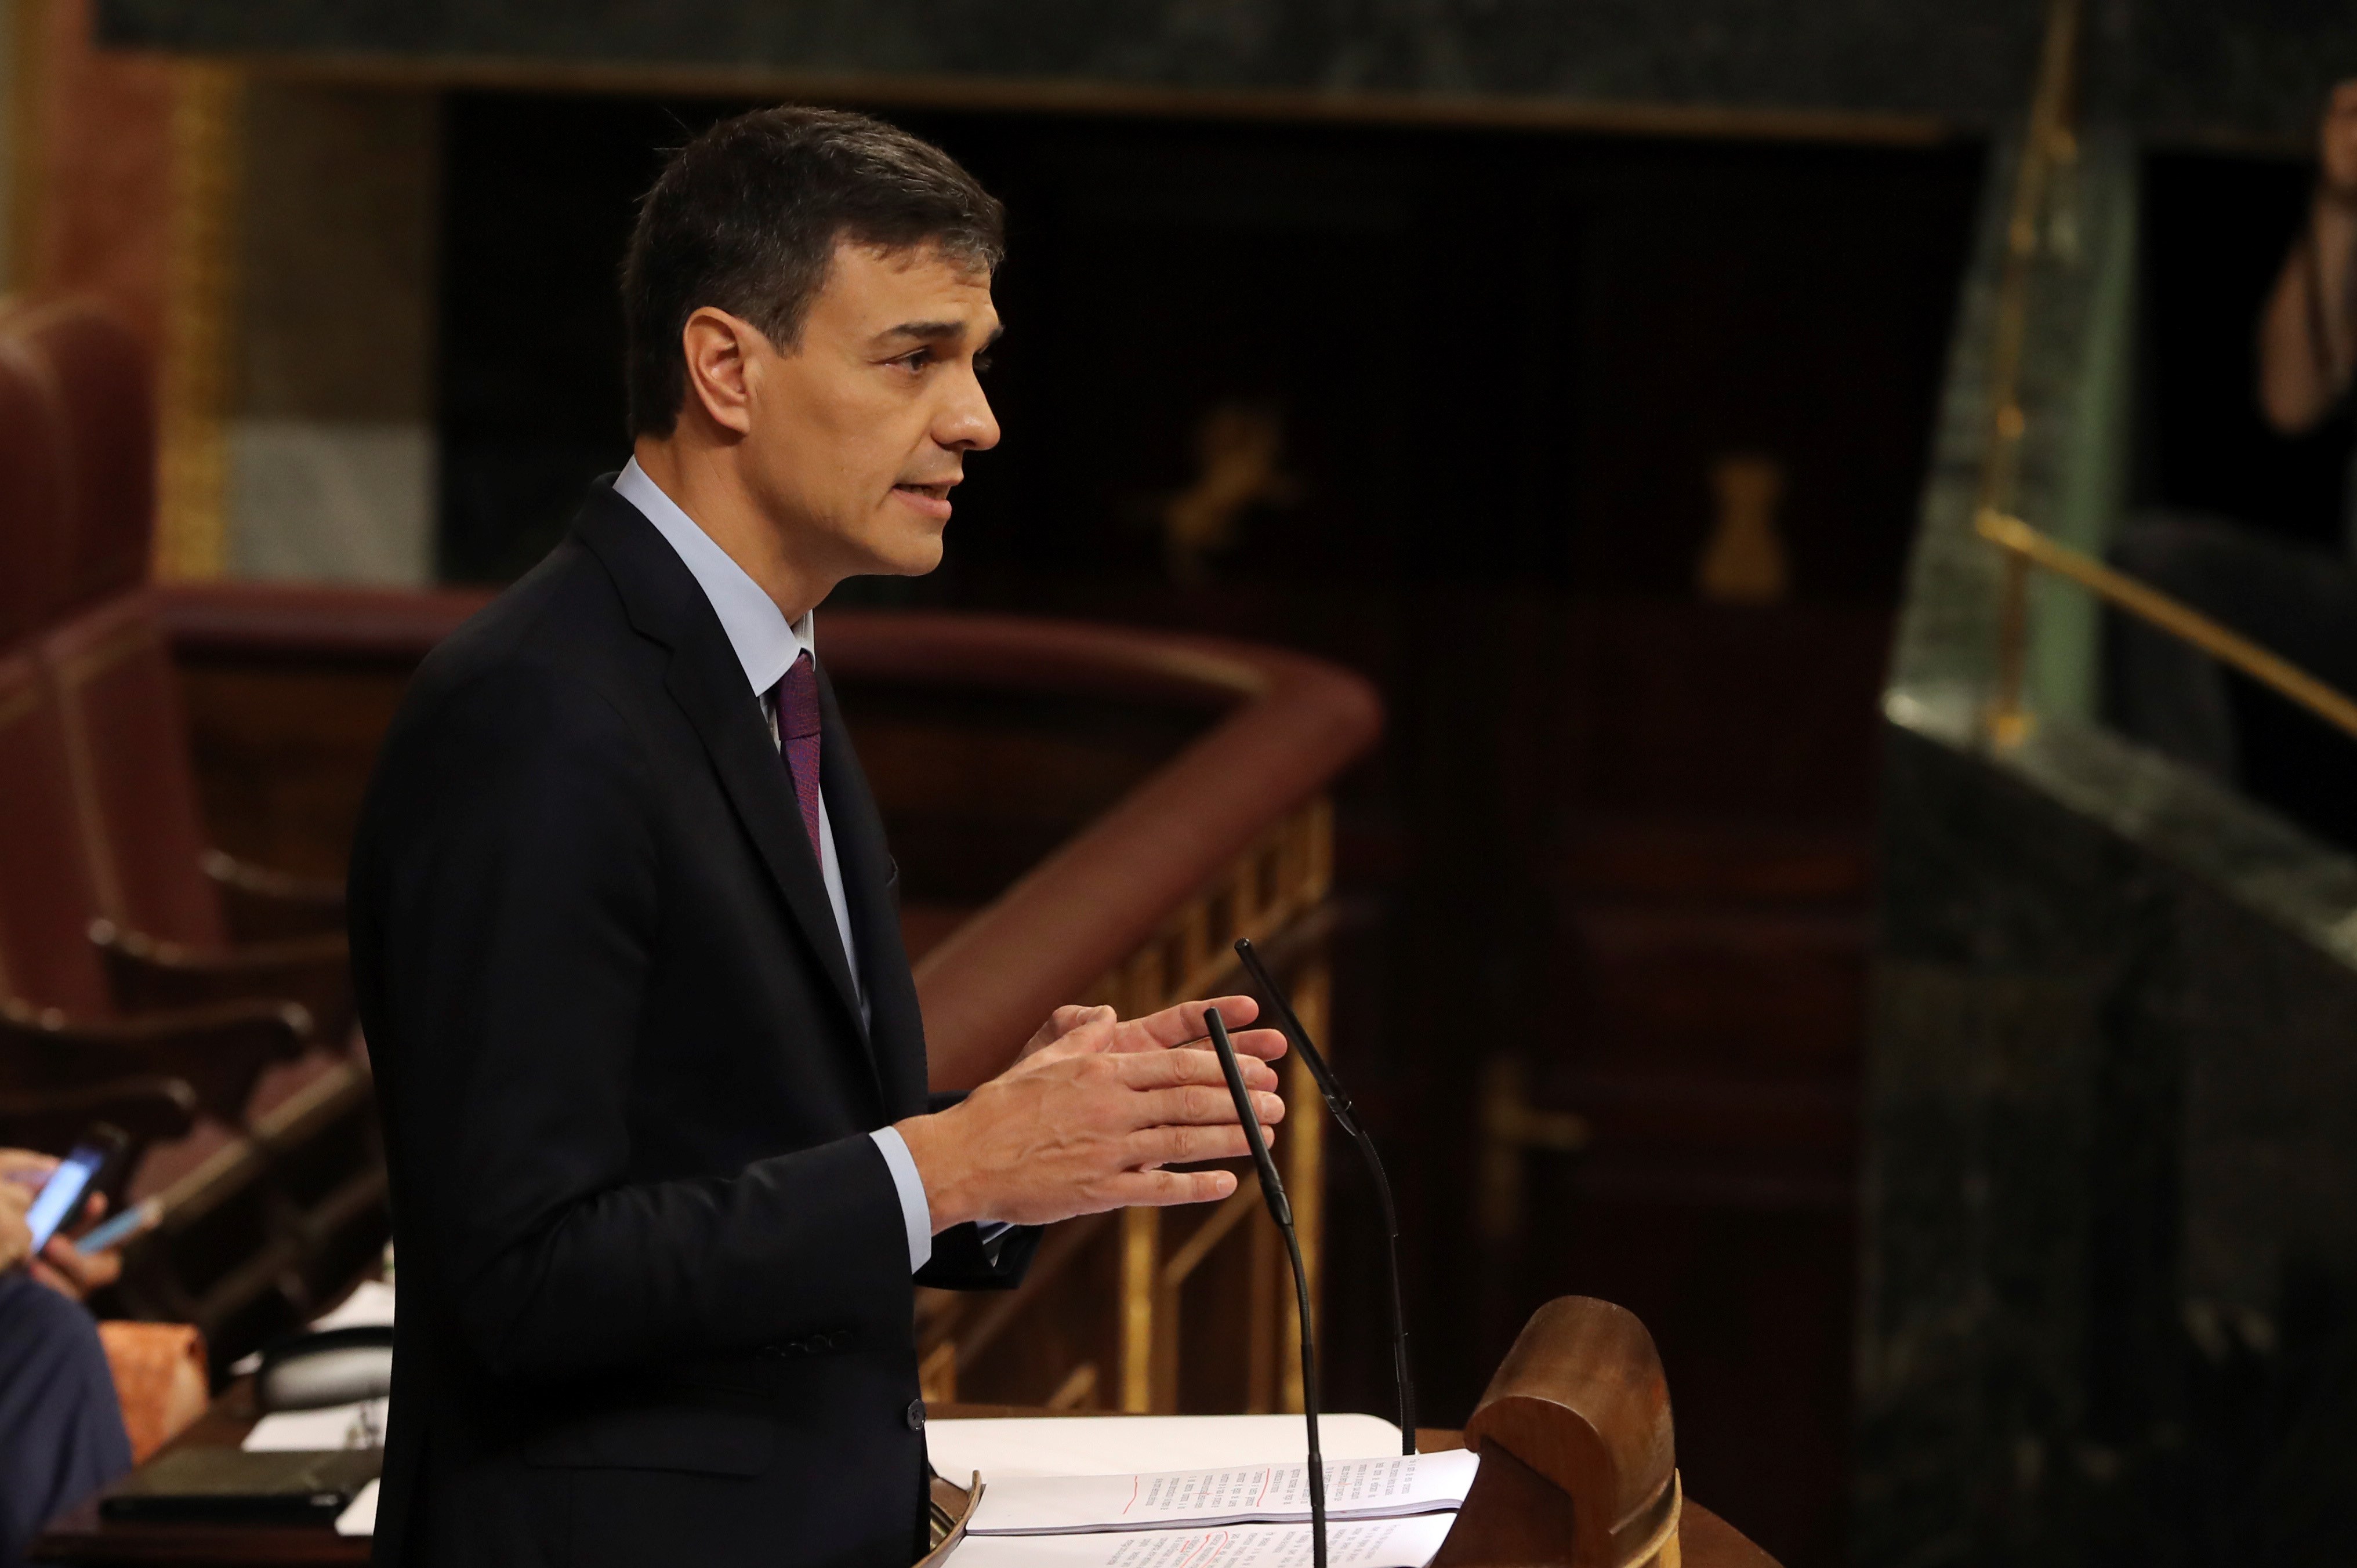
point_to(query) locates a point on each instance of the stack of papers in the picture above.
(1379, 1544)
(1389, 1512)
(1005, 1447)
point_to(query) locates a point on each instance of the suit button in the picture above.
(916, 1415)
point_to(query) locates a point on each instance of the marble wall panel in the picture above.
(1964, 62)
(2184, 68)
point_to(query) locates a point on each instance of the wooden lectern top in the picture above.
(1579, 1456)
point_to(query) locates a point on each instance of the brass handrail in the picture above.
(2028, 547)
(2047, 141)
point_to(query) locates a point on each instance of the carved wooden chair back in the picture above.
(127, 743)
(47, 901)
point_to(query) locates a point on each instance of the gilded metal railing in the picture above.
(2026, 546)
(2049, 144)
(1280, 880)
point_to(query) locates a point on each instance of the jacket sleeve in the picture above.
(507, 894)
(963, 1261)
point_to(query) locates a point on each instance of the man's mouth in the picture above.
(933, 501)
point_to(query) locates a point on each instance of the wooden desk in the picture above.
(80, 1537)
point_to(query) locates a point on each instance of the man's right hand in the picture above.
(1084, 1126)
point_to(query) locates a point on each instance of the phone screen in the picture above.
(62, 1196)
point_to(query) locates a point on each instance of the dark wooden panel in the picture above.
(1709, 710)
(1693, 988)
(283, 750)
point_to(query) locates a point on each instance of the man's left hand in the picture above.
(1074, 1030)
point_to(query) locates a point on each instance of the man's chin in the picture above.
(906, 557)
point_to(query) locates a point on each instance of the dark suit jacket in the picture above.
(655, 1299)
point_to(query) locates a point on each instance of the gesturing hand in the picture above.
(1075, 1030)
(1087, 1118)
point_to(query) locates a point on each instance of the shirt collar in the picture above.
(765, 641)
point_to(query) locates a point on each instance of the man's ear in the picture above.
(718, 347)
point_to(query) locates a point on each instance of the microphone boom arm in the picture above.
(1271, 1189)
(1346, 1116)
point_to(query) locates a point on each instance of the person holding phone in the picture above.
(61, 1434)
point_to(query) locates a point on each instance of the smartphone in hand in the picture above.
(133, 1218)
(65, 1193)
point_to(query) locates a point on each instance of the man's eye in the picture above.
(982, 362)
(915, 361)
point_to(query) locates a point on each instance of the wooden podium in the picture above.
(1579, 1458)
(1578, 1468)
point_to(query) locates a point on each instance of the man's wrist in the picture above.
(931, 1142)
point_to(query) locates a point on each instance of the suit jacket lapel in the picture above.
(707, 682)
(897, 1036)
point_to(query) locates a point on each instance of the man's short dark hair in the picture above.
(745, 218)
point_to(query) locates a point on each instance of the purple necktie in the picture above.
(797, 698)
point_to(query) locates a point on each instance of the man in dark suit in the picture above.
(664, 1166)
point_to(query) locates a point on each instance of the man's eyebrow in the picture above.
(939, 331)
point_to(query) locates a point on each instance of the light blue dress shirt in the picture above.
(766, 644)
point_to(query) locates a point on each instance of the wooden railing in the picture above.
(1139, 907)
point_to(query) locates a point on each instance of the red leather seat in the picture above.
(99, 427)
(59, 1028)
(166, 935)
(32, 491)
(90, 478)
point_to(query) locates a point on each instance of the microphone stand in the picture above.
(1271, 1191)
(1346, 1116)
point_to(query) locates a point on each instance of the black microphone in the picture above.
(1271, 1191)
(1346, 1116)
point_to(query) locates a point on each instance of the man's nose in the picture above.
(966, 425)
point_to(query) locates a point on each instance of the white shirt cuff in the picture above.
(915, 1212)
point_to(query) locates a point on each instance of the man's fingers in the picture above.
(1193, 1145)
(1158, 1190)
(1184, 1022)
(1266, 1043)
(1168, 1070)
(1071, 1015)
(1200, 1105)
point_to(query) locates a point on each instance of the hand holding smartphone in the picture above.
(68, 1191)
